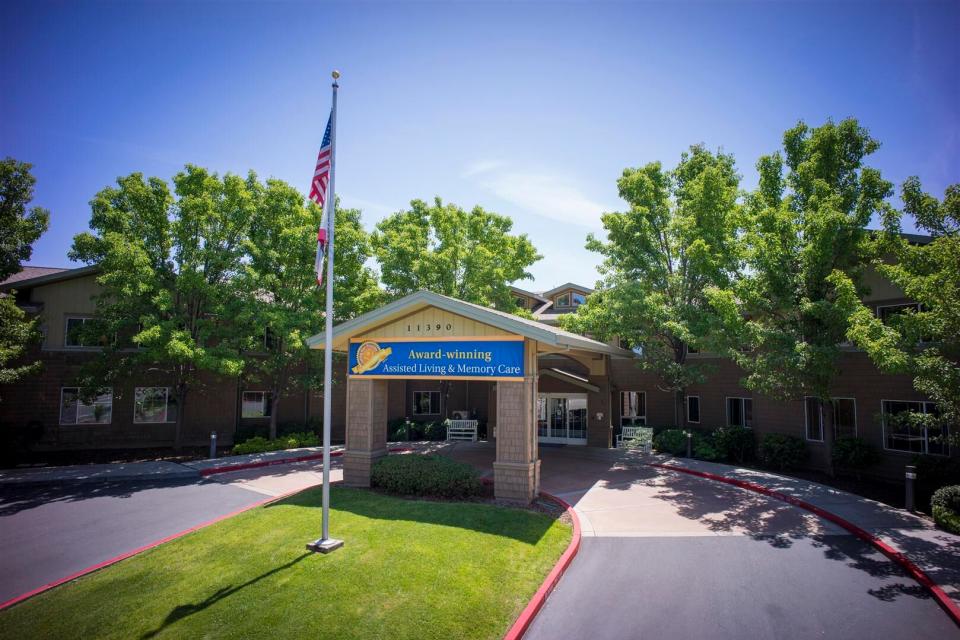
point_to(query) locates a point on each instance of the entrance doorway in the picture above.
(562, 418)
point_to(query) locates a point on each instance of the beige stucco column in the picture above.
(366, 429)
(516, 471)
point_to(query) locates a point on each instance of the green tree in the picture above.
(20, 227)
(167, 262)
(280, 302)
(677, 238)
(470, 255)
(923, 344)
(782, 319)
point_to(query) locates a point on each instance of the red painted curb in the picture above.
(242, 466)
(536, 603)
(180, 534)
(915, 572)
(146, 547)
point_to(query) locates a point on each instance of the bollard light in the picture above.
(689, 444)
(213, 444)
(909, 479)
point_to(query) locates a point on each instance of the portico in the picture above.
(429, 337)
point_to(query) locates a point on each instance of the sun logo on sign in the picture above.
(370, 356)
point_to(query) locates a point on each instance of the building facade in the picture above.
(583, 398)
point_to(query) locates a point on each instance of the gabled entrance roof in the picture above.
(549, 336)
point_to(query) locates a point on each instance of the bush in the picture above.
(435, 431)
(404, 430)
(259, 444)
(945, 508)
(671, 441)
(425, 475)
(782, 452)
(734, 444)
(854, 453)
(705, 449)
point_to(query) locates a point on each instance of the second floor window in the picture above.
(154, 404)
(73, 333)
(563, 300)
(578, 299)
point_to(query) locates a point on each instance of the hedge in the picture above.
(260, 444)
(782, 452)
(425, 475)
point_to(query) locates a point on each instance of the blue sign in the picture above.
(437, 359)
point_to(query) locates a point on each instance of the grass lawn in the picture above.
(409, 569)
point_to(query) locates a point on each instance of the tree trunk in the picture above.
(181, 396)
(274, 410)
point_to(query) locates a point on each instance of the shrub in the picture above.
(259, 444)
(672, 441)
(782, 452)
(734, 444)
(854, 453)
(945, 508)
(425, 475)
(435, 431)
(705, 449)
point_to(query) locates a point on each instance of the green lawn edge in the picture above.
(408, 569)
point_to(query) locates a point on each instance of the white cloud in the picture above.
(549, 195)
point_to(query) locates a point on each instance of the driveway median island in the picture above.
(410, 568)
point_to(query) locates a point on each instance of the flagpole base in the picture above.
(322, 545)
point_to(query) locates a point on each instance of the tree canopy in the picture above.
(167, 265)
(470, 255)
(677, 238)
(20, 227)
(281, 305)
(781, 318)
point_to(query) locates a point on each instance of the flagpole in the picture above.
(326, 544)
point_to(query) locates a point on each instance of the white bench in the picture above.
(462, 430)
(639, 435)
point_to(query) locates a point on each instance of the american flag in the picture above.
(318, 193)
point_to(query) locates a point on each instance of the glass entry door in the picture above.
(562, 418)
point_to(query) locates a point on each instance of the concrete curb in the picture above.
(228, 468)
(946, 603)
(539, 598)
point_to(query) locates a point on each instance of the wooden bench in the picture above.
(462, 430)
(641, 437)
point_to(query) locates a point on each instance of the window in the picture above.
(813, 414)
(691, 349)
(844, 418)
(76, 410)
(740, 412)
(426, 403)
(578, 299)
(521, 302)
(899, 435)
(563, 300)
(270, 340)
(633, 408)
(693, 409)
(256, 404)
(72, 336)
(154, 404)
(886, 312)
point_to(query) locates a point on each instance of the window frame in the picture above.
(806, 418)
(166, 406)
(563, 296)
(66, 331)
(264, 404)
(76, 413)
(573, 298)
(688, 398)
(633, 419)
(743, 411)
(926, 436)
(434, 411)
(856, 425)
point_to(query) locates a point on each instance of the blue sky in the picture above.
(528, 109)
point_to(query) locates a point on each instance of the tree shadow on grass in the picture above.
(185, 610)
(521, 524)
